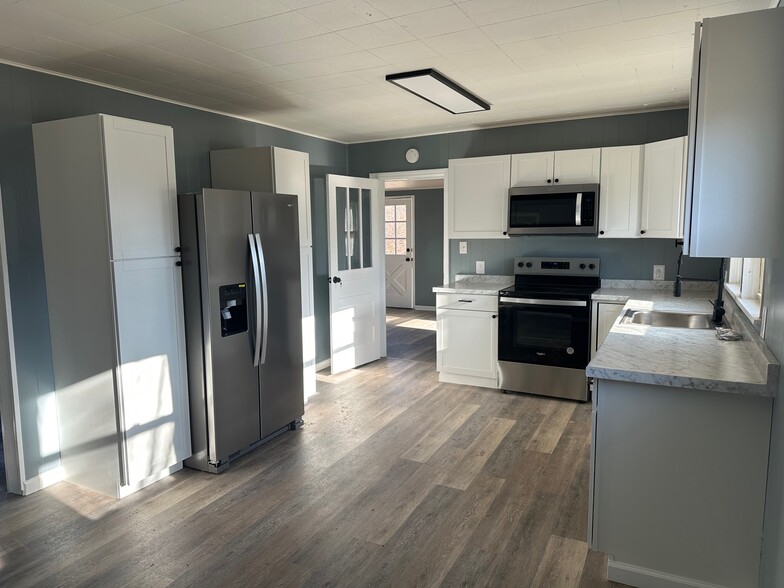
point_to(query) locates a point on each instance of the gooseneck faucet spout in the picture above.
(718, 304)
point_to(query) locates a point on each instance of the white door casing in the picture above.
(399, 251)
(356, 295)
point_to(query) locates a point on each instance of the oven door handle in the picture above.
(539, 302)
(578, 210)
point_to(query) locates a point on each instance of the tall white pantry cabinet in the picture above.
(108, 208)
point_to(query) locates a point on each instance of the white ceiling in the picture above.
(318, 66)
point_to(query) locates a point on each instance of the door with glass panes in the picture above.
(356, 298)
(399, 251)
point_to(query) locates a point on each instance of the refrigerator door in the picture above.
(276, 223)
(228, 315)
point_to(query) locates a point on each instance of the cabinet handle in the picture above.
(464, 300)
(177, 249)
(556, 180)
(642, 232)
(495, 316)
(549, 181)
(601, 232)
(505, 233)
(178, 263)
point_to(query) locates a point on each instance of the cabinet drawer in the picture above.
(467, 302)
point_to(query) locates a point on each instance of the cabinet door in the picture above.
(477, 197)
(663, 190)
(532, 169)
(308, 321)
(467, 343)
(605, 318)
(152, 381)
(292, 176)
(142, 188)
(621, 190)
(577, 166)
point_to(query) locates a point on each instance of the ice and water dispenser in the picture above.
(234, 310)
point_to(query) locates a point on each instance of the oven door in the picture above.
(544, 332)
(552, 211)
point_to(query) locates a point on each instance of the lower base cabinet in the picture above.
(678, 482)
(604, 315)
(467, 339)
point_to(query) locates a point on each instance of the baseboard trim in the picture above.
(43, 480)
(646, 578)
(322, 365)
(467, 380)
(424, 307)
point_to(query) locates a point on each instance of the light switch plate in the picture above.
(480, 267)
(463, 247)
(658, 272)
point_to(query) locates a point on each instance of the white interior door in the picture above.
(399, 251)
(356, 297)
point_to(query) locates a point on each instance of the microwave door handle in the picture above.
(578, 210)
(540, 302)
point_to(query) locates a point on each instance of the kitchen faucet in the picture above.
(718, 304)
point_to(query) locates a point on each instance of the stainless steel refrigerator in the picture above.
(243, 325)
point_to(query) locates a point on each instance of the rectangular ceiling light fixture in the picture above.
(438, 89)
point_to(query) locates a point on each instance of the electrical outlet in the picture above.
(658, 272)
(480, 267)
(463, 247)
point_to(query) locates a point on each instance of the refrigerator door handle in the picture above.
(265, 307)
(254, 258)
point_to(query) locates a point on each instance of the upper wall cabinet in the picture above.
(736, 176)
(477, 197)
(269, 169)
(661, 215)
(576, 166)
(621, 192)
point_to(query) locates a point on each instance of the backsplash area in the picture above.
(627, 259)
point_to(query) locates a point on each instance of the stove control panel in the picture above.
(557, 266)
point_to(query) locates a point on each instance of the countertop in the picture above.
(486, 284)
(684, 358)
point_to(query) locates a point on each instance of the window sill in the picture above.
(750, 308)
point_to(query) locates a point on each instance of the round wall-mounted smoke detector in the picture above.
(412, 155)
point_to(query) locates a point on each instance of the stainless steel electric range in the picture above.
(544, 328)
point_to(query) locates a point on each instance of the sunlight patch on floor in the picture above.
(421, 324)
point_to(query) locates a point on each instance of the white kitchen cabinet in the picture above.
(735, 204)
(282, 171)
(114, 297)
(621, 192)
(604, 315)
(268, 169)
(661, 214)
(477, 197)
(467, 339)
(575, 166)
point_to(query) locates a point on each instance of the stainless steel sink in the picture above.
(677, 320)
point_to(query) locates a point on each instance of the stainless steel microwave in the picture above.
(554, 210)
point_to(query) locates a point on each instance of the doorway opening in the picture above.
(415, 260)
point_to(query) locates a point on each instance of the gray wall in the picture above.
(428, 242)
(627, 258)
(27, 97)
(773, 543)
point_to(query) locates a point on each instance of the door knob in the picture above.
(336, 280)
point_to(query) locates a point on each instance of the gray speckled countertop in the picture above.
(475, 284)
(684, 358)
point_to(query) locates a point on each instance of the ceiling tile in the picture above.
(196, 16)
(139, 5)
(585, 17)
(380, 34)
(486, 12)
(305, 69)
(83, 11)
(439, 21)
(354, 61)
(54, 48)
(26, 57)
(326, 45)
(404, 52)
(460, 42)
(534, 47)
(93, 38)
(634, 9)
(343, 14)
(479, 57)
(140, 29)
(733, 8)
(395, 8)
(521, 29)
(197, 49)
(307, 85)
(264, 32)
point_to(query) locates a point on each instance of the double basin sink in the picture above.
(658, 318)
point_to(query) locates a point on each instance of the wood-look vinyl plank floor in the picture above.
(395, 479)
